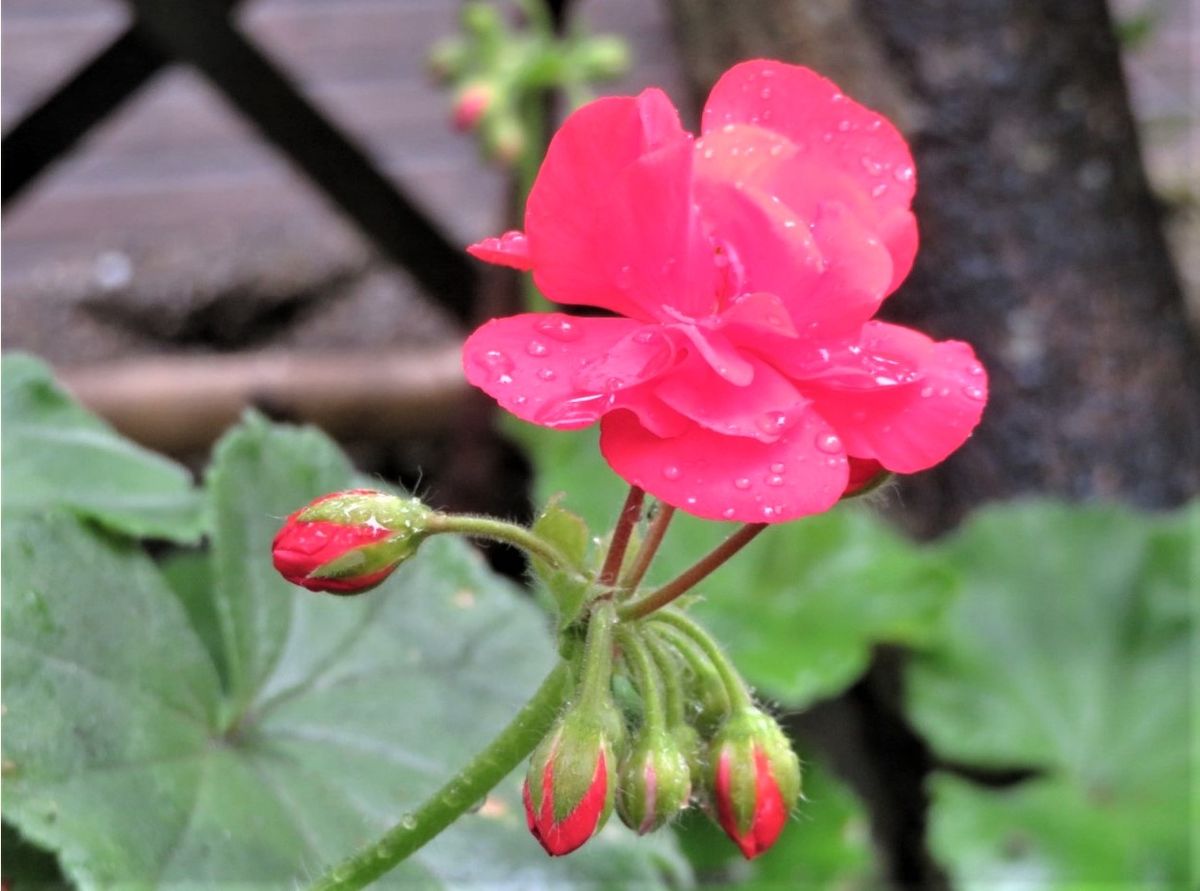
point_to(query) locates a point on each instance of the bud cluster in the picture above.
(692, 739)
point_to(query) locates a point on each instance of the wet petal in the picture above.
(529, 363)
(610, 218)
(763, 409)
(731, 477)
(907, 401)
(510, 249)
(820, 121)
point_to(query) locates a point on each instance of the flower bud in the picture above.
(472, 103)
(655, 782)
(755, 780)
(349, 542)
(570, 785)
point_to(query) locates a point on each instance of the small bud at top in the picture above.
(349, 542)
(569, 788)
(755, 778)
(472, 104)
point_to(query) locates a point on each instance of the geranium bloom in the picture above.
(742, 377)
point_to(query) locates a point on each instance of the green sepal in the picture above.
(655, 781)
(569, 534)
(574, 746)
(366, 508)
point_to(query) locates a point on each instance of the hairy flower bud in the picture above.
(570, 785)
(755, 780)
(472, 103)
(655, 782)
(349, 542)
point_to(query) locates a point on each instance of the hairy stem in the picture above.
(645, 554)
(681, 625)
(500, 530)
(630, 511)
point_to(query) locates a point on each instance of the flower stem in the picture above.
(630, 511)
(646, 677)
(595, 684)
(468, 786)
(668, 670)
(654, 537)
(677, 622)
(500, 530)
(691, 577)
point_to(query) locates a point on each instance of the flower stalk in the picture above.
(630, 512)
(645, 554)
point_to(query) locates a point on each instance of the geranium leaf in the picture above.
(802, 606)
(1068, 652)
(127, 758)
(56, 454)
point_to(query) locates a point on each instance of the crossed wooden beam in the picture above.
(200, 33)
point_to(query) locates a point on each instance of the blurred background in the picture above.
(211, 205)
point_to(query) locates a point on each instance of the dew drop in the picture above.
(768, 511)
(973, 392)
(926, 392)
(776, 150)
(774, 481)
(643, 337)
(536, 348)
(843, 126)
(409, 821)
(778, 468)
(765, 93)
(741, 483)
(671, 472)
(547, 374)
(829, 443)
(559, 328)
(728, 513)
(495, 361)
(772, 422)
(878, 191)
(520, 400)
(870, 165)
(976, 370)
(903, 173)
(690, 500)
(708, 153)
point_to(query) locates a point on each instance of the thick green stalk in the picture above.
(500, 530)
(468, 786)
(595, 683)
(646, 678)
(739, 696)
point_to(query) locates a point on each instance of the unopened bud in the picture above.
(472, 103)
(569, 788)
(655, 782)
(755, 780)
(503, 138)
(349, 542)
(603, 58)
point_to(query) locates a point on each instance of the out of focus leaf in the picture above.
(56, 454)
(1070, 651)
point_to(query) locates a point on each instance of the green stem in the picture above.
(656, 600)
(654, 537)
(471, 784)
(630, 511)
(668, 670)
(500, 530)
(645, 676)
(739, 696)
(595, 684)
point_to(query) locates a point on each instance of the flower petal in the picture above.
(610, 218)
(762, 409)
(908, 402)
(821, 121)
(510, 249)
(731, 477)
(529, 364)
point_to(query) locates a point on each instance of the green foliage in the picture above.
(1069, 651)
(801, 607)
(138, 762)
(58, 455)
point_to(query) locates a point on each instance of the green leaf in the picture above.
(802, 606)
(1069, 651)
(826, 845)
(565, 589)
(56, 454)
(129, 761)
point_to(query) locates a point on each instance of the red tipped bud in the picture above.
(655, 783)
(349, 542)
(755, 779)
(472, 103)
(569, 788)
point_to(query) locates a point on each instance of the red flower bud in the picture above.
(755, 780)
(348, 542)
(472, 103)
(569, 789)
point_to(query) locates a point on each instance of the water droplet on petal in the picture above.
(778, 468)
(878, 191)
(520, 400)
(972, 392)
(843, 126)
(776, 150)
(774, 481)
(536, 348)
(926, 392)
(741, 483)
(976, 370)
(643, 336)
(690, 500)
(772, 423)
(870, 165)
(559, 328)
(768, 511)
(547, 374)
(765, 92)
(671, 472)
(903, 173)
(829, 443)
(728, 513)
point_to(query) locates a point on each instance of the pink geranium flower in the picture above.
(742, 377)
